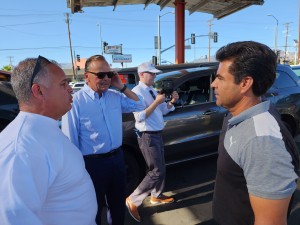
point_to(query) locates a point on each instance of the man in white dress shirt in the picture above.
(150, 123)
(43, 177)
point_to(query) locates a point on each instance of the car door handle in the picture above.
(208, 112)
(271, 94)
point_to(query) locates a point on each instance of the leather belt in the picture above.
(104, 155)
(152, 132)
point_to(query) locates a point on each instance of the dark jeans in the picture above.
(109, 178)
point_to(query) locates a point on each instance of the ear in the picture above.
(86, 76)
(246, 84)
(37, 91)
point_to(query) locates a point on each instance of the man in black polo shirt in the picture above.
(257, 155)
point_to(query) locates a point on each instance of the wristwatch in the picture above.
(123, 89)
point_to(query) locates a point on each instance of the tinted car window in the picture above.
(7, 96)
(194, 91)
(283, 80)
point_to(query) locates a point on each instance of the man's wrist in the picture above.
(123, 89)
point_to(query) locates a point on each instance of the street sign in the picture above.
(113, 49)
(122, 58)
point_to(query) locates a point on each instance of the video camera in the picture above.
(167, 88)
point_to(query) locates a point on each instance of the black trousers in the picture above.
(109, 178)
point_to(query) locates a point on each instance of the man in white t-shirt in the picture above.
(43, 177)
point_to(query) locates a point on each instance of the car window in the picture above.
(283, 80)
(78, 85)
(128, 79)
(194, 91)
(296, 69)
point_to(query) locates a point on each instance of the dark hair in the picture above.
(252, 59)
(91, 59)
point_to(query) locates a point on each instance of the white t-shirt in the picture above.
(42, 176)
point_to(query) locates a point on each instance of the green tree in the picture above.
(7, 68)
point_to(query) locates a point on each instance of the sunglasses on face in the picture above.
(38, 67)
(101, 75)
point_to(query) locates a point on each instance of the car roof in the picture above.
(172, 67)
(177, 74)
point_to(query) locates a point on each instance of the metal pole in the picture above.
(209, 37)
(158, 42)
(101, 43)
(67, 20)
(299, 35)
(276, 32)
(286, 41)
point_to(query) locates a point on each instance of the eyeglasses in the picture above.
(101, 75)
(37, 67)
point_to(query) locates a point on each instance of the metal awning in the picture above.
(218, 8)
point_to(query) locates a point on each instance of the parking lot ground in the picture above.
(192, 184)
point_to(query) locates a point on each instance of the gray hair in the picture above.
(21, 78)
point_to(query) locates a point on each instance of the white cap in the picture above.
(148, 67)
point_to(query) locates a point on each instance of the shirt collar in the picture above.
(249, 113)
(144, 86)
(90, 92)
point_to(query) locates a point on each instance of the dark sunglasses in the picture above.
(101, 75)
(37, 67)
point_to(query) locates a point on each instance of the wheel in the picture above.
(133, 171)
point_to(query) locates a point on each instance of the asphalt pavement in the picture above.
(192, 184)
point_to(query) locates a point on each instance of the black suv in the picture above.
(192, 130)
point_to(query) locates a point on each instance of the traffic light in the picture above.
(154, 60)
(78, 58)
(104, 45)
(78, 67)
(193, 38)
(215, 37)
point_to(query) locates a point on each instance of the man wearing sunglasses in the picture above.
(94, 125)
(43, 176)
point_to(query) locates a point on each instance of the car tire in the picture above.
(133, 172)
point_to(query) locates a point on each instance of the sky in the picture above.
(37, 27)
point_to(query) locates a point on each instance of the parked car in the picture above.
(130, 76)
(192, 130)
(9, 107)
(77, 86)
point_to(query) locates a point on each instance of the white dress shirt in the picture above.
(43, 177)
(155, 121)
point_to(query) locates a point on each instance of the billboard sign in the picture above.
(113, 49)
(122, 58)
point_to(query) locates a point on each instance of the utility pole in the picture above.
(299, 35)
(209, 37)
(99, 25)
(10, 61)
(286, 40)
(68, 22)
